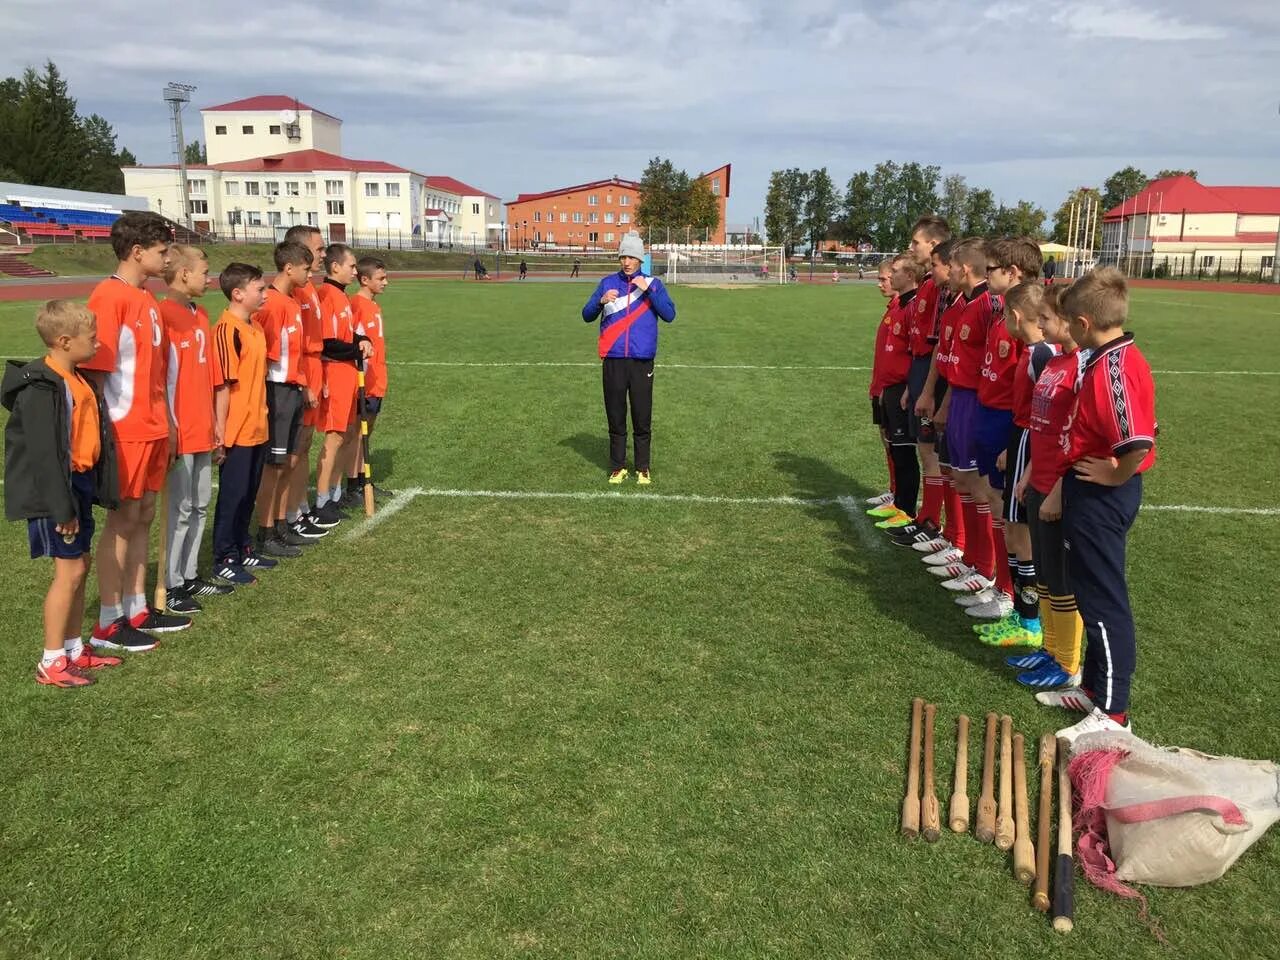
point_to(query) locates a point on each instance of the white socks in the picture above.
(73, 647)
(49, 657)
(134, 604)
(108, 615)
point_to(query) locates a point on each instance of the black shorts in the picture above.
(877, 415)
(925, 432)
(940, 447)
(1047, 547)
(898, 423)
(1017, 458)
(284, 420)
(372, 406)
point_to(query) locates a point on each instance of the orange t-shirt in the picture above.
(368, 320)
(281, 321)
(131, 354)
(242, 361)
(86, 428)
(192, 374)
(312, 336)
(337, 324)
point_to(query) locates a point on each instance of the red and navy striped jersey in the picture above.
(1115, 409)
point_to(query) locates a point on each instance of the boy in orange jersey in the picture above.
(59, 458)
(240, 406)
(299, 517)
(192, 377)
(338, 405)
(281, 321)
(372, 276)
(129, 370)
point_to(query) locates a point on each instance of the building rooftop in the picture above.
(273, 102)
(1182, 194)
(296, 161)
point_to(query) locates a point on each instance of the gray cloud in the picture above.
(1026, 99)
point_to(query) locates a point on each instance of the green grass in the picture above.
(558, 728)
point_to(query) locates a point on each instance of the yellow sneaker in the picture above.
(618, 475)
(642, 478)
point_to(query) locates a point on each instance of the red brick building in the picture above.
(595, 214)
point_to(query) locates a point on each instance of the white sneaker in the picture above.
(879, 500)
(949, 555)
(936, 545)
(973, 599)
(971, 581)
(1096, 722)
(995, 609)
(1068, 698)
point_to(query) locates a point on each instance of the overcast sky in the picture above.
(1030, 99)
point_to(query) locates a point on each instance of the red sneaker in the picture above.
(60, 673)
(88, 660)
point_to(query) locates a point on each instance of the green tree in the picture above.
(194, 152)
(1024, 219)
(1165, 174)
(702, 212)
(886, 200)
(784, 207)
(954, 203)
(659, 207)
(854, 225)
(1121, 184)
(918, 193)
(820, 207)
(979, 213)
(101, 158)
(1072, 210)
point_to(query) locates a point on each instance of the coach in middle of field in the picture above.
(632, 304)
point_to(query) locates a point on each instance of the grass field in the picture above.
(624, 727)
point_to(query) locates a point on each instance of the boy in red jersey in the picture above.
(894, 366)
(59, 459)
(881, 505)
(299, 516)
(338, 404)
(281, 321)
(1111, 441)
(372, 276)
(129, 370)
(192, 378)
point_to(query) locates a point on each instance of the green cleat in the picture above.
(884, 512)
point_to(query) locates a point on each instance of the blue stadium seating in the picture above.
(55, 222)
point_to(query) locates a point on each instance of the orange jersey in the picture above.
(242, 360)
(86, 428)
(281, 321)
(335, 313)
(131, 354)
(312, 336)
(192, 374)
(368, 318)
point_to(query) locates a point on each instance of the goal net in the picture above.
(721, 265)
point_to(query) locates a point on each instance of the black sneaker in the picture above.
(122, 635)
(231, 570)
(178, 601)
(326, 516)
(287, 536)
(157, 621)
(274, 547)
(914, 533)
(204, 588)
(303, 527)
(252, 558)
(381, 493)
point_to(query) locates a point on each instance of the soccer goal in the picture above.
(722, 265)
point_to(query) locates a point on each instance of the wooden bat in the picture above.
(1064, 881)
(1048, 750)
(911, 802)
(959, 816)
(1004, 819)
(985, 829)
(930, 817)
(362, 411)
(1024, 855)
(160, 598)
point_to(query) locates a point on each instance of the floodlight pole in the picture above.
(177, 95)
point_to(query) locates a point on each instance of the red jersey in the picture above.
(1052, 398)
(895, 355)
(882, 331)
(1115, 410)
(948, 324)
(1032, 364)
(368, 320)
(971, 338)
(131, 354)
(191, 374)
(281, 321)
(922, 332)
(1001, 358)
(312, 335)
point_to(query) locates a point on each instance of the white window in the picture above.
(608, 217)
(335, 208)
(313, 219)
(593, 200)
(333, 188)
(219, 131)
(273, 188)
(233, 188)
(273, 218)
(274, 129)
(247, 129)
(198, 206)
(475, 209)
(608, 198)
(551, 216)
(251, 188)
(1207, 261)
(551, 237)
(537, 216)
(564, 218)
(577, 217)
(311, 188)
(537, 236)
(624, 218)
(393, 189)
(593, 218)
(715, 187)
(608, 237)
(255, 218)
(197, 187)
(291, 188)
(624, 201)
(371, 189)
(593, 237)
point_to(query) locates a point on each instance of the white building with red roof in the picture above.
(1195, 227)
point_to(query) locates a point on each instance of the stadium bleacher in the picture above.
(55, 223)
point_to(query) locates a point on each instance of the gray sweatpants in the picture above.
(190, 487)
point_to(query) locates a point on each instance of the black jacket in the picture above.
(37, 446)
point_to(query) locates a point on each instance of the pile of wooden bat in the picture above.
(1008, 827)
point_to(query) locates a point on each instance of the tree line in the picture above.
(673, 204)
(44, 140)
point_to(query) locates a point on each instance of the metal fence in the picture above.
(1242, 266)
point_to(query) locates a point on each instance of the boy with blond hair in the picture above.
(371, 274)
(59, 459)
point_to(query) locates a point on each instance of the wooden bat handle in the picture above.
(911, 802)
(1024, 855)
(985, 829)
(930, 817)
(959, 815)
(1004, 819)
(1048, 749)
(1064, 881)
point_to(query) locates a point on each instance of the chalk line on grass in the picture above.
(814, 368)
(385, 513)
(858, 518)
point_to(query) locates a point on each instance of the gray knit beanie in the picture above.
(631, 246)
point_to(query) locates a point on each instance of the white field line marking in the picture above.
(1218, 373)
(858, 519)
(780, 501)
(396, 504)
(760, 366)
(1225, 511)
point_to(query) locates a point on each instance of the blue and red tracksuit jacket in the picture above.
(629, 325)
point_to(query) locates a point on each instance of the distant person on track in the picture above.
(629, 305)
(577, 262)
(1050, 267)
(524, 269)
